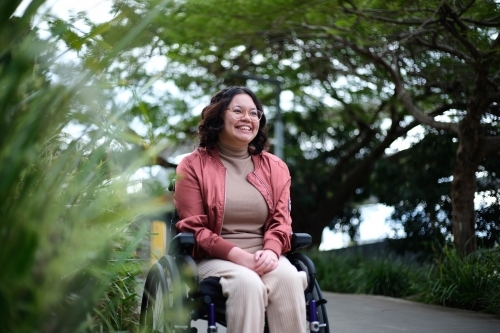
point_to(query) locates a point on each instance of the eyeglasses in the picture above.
(254, 114)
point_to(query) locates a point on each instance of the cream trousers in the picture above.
(280, 293)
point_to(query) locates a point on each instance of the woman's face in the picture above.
(238, 133)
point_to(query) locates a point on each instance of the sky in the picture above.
(98, 10)
(373, 226)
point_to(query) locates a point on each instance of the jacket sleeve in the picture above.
(188, 199)
(278, 229)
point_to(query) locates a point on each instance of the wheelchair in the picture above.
(173, 296)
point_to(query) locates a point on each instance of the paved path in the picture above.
(378, 314)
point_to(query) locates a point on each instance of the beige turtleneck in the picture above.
(245, 209)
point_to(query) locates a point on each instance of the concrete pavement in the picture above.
(378, 314)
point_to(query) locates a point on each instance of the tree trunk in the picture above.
(468, 157)
(463, 189)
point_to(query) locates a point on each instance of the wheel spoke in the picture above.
(158, 310)
(160, 301)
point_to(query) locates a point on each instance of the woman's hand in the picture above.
(243, 258)
(265, 261)
(261, 262)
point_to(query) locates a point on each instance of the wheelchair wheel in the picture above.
(162, 301)
(300, 262)
(320, 309)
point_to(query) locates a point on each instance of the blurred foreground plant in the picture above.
(65, 203)
(118, 308)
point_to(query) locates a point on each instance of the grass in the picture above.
(118, 309)
(471, 282)
(355, 274)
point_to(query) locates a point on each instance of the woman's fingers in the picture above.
(265, 261)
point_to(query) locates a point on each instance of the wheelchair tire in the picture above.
(297, 260)
(321, 309)
(162, 301)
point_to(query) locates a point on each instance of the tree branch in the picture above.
(448, 12)
(483, 23)
(361, 141)
(352, 180)
(446, 49)
(385, 17)
(404, 96)
(423, 118)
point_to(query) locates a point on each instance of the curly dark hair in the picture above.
(212, 123)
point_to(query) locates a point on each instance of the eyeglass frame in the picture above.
(260, 113)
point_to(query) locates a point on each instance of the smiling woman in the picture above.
(235, 198)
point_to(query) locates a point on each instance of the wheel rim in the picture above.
(161, 302)
(158, 310)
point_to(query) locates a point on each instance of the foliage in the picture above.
(353, 273)
(333, 138)
(348, 222)
(361, 75)
(65, 202)
(424, 211)
(471, 282)
(334, 273)
(384, 277)
(118, 309)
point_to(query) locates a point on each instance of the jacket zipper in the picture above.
(224, 207)
(268, 193)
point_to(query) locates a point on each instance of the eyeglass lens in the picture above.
(253, 114)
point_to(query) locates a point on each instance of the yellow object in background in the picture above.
(158, 240)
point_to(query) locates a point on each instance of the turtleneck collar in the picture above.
(233, 152)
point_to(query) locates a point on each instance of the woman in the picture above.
(235, 198)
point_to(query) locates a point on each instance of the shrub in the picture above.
(386, 277)
(471, 282)
(335, 273)
(352, 273)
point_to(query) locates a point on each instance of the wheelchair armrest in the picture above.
(182, 243)
(300, 240)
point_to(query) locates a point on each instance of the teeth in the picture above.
(245, 128)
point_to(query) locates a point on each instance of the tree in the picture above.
(204, 52)
(439, 53)
(424, 212)
(354, 66)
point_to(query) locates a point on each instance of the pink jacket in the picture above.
(200, 199)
